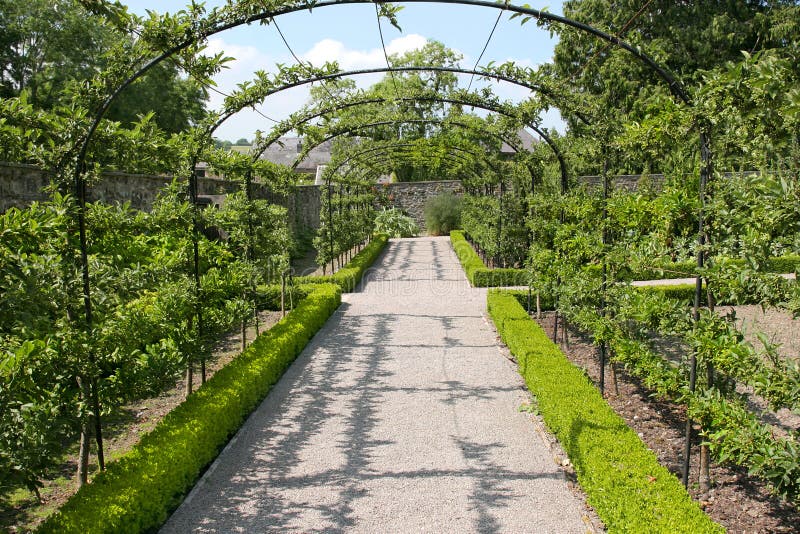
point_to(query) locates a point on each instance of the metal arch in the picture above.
(388, 146)
(452, 157)
(80, 186)
(352, 129)
(463, 125)
(497, 109)
(392, 146)
(675, 86)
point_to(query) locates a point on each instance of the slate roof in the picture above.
(286, 149)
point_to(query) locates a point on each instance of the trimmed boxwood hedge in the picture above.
(622, 478)
(139, 491)
(477, 273)
(687, 269)
(481, 276)
(350, 275)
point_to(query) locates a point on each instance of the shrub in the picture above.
(442, 214)
(394, 223)
(137, 492)
(477, 273)
(622, 478)
(348, 277)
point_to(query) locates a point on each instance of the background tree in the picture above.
(46, 45)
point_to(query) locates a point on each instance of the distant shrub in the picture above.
(442, 214)
(394, 223)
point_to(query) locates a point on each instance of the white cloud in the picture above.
(329, 50)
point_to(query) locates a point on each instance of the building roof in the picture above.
(526, 142)
(285, 150)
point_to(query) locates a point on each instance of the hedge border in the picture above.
(139, 491)
(350, 275)
(480, 275)
(624, 482)
(477, 273)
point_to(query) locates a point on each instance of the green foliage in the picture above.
(442, 214)
(622, 478)
(394, 223)
(346, 219)
(138, 491)
(348, 277)
(477, 272)
(53, 45)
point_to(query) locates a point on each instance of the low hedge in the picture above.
(687, 269)
(481, 276)
(477, 273)
(350, 275)
(139, 491)
(622, 478)
(268, 297)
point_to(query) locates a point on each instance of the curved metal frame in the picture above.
(675, 87)
(547, 139)
(386, 146)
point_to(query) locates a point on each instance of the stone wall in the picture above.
(627, 182)
(22, 184)
(304, 207)
(412, 196)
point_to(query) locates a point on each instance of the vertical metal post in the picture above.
(80, 194)
(196, 267)
(498, 254)
(705, 172)
(283, 294)
(330, 221)
(604, 281)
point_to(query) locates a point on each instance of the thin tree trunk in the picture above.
(244, 334)
(85, 439)
(538, 305)
(189, 378)
(283, 295)
(98, 426)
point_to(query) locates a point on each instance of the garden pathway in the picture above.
(400, 416)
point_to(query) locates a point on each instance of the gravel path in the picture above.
(400, 416)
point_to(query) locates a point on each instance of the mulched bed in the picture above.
(739, 502)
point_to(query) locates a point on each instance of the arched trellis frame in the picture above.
(499, 109)
(674, 85)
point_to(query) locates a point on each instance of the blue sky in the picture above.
(349, 35)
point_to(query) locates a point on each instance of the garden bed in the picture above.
(738, 501)
(122, 432)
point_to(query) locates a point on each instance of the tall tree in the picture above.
(45, 45)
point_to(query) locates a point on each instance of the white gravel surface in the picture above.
(400, 416)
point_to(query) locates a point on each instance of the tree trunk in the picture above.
(244, 334)
(85, 440)
(189, 378)
(538, 305)
(705, 463)
(98, 426)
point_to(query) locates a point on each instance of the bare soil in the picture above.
(122, 431)
(739, 502)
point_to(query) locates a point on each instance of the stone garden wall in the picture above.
(22, 184)
(411, 196)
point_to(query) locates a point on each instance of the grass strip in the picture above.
(624, 482)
